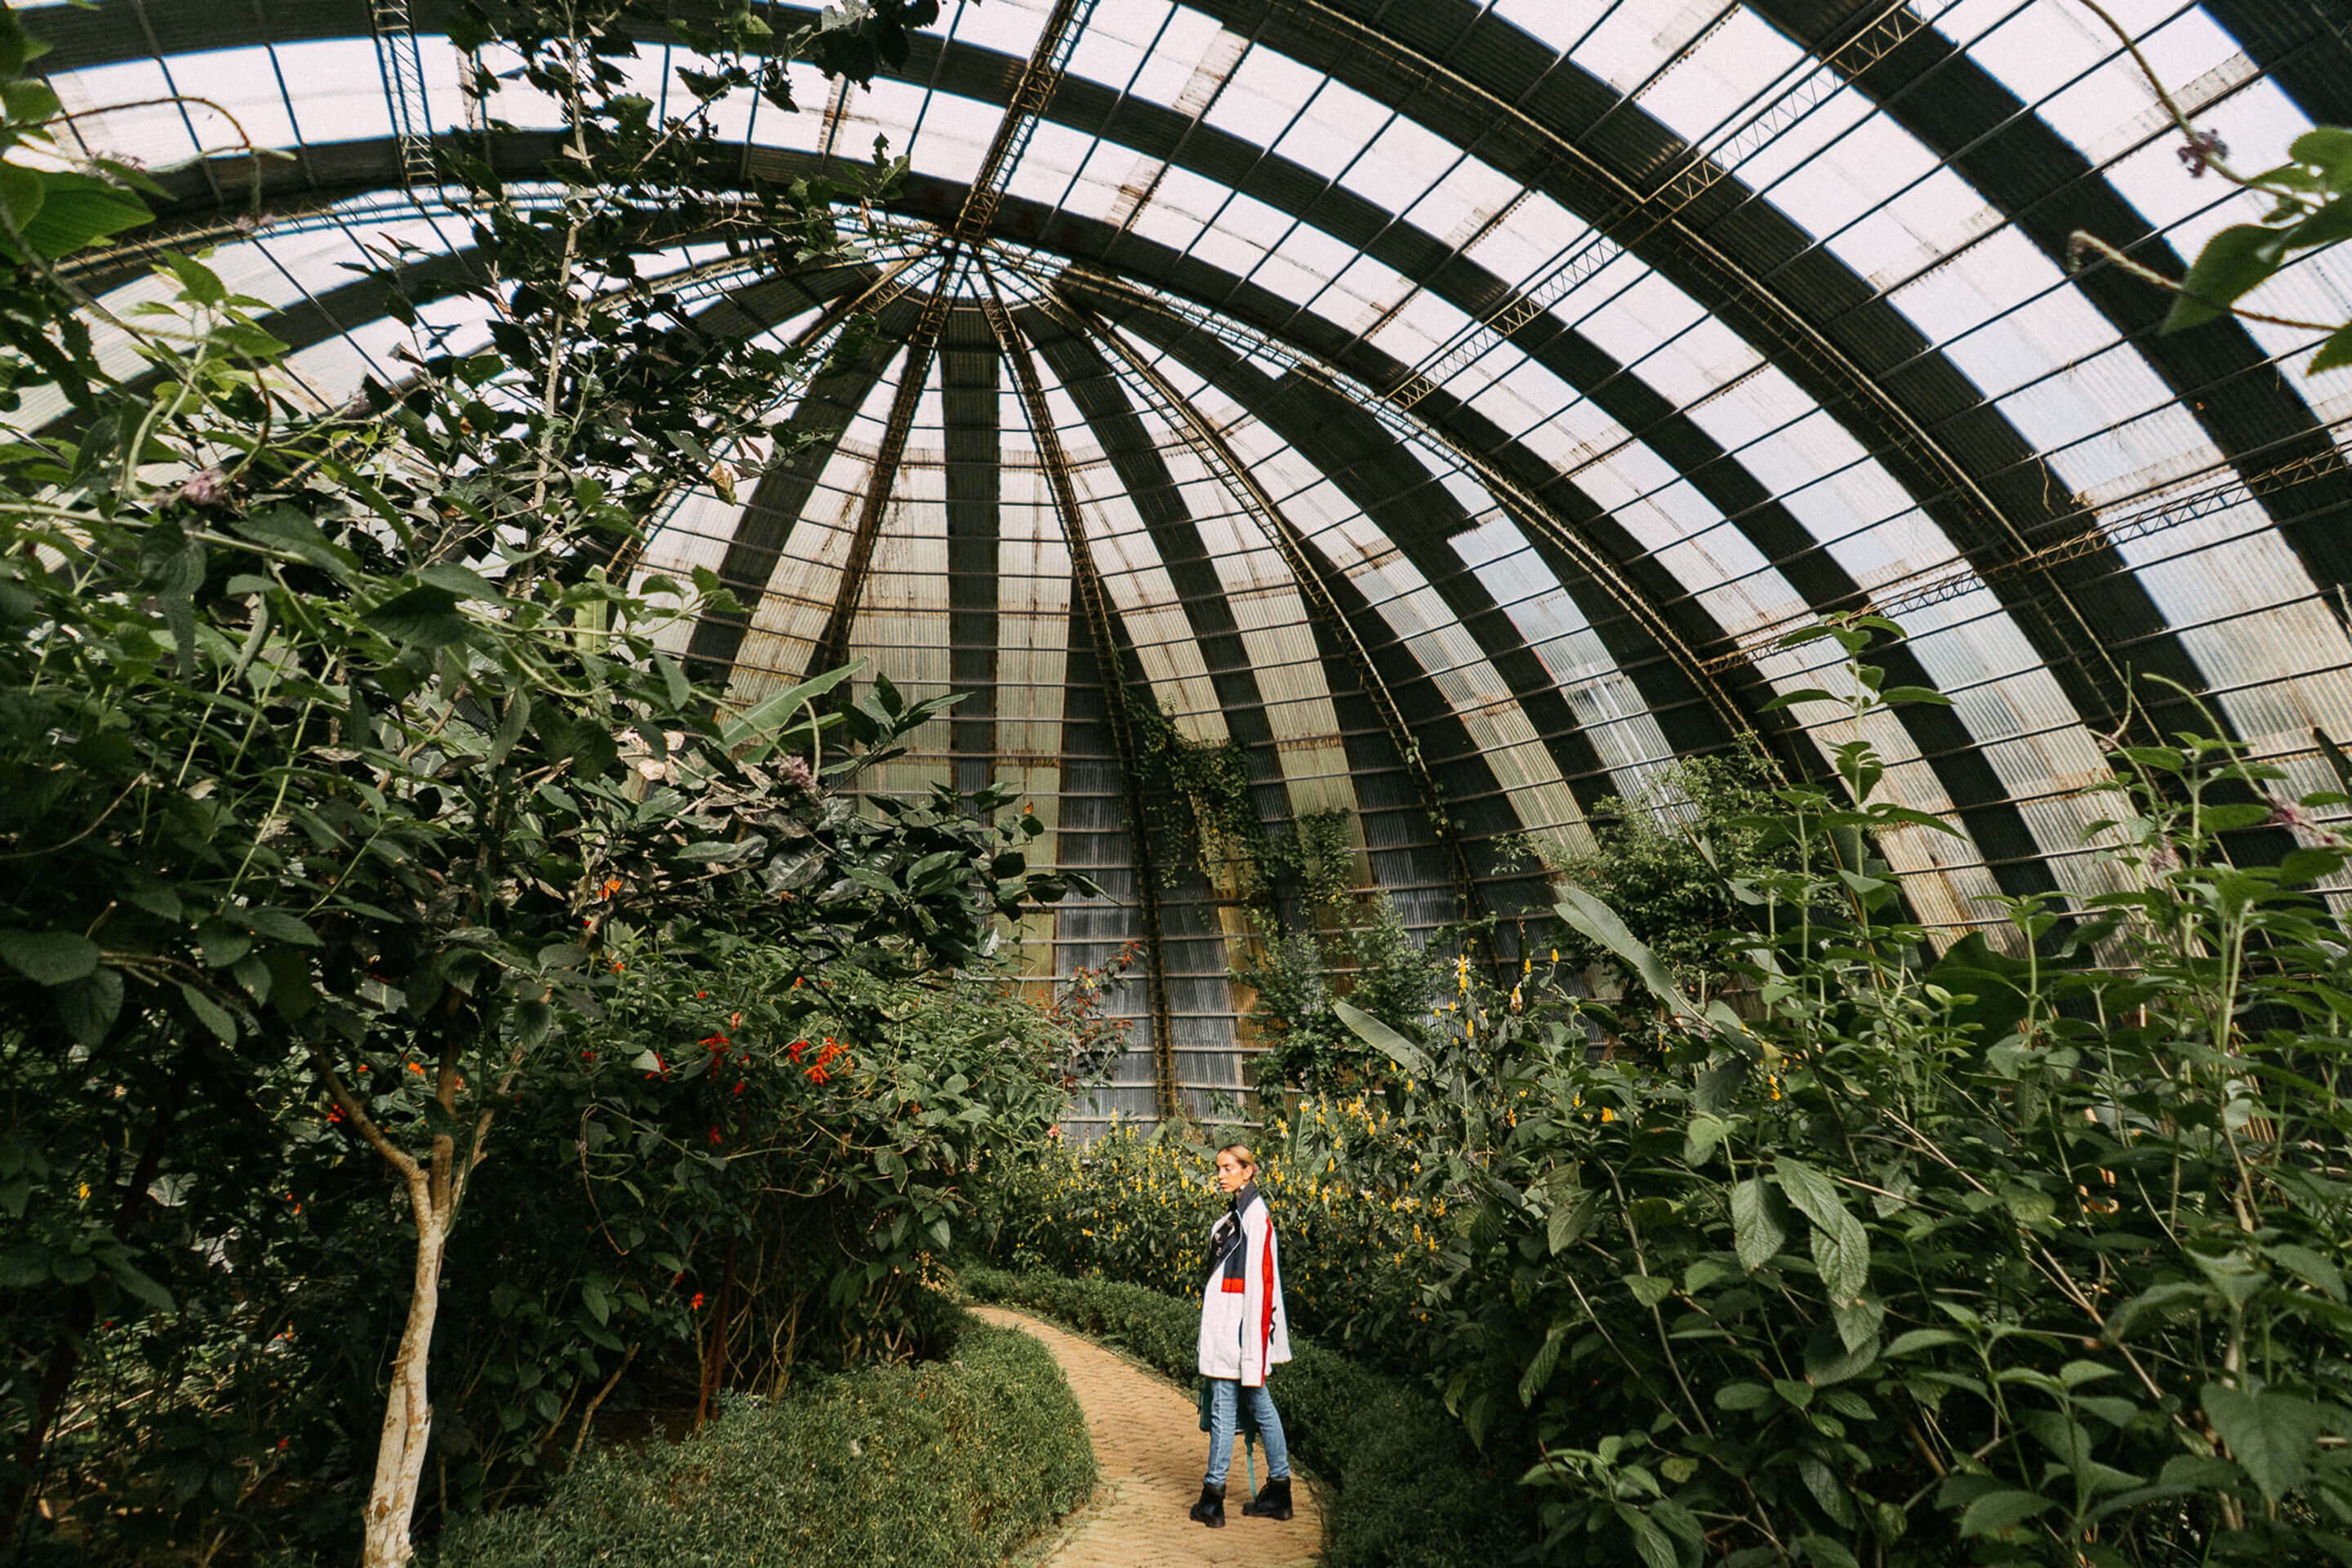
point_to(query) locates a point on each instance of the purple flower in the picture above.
(797, 774)
(206, 487)
(2296, 817)
(2201, 150)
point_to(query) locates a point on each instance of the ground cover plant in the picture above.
(2030, 1251)
(399, 1035)
(1410, 1491)
(945, 1464)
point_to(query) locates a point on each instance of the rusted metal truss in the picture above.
(1209, 445)
(1034, 90)
(1935, 585)
(1094, 604)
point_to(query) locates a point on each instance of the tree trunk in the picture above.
(408, 1413)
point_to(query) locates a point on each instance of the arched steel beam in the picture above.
(1095, 609)
(972, 442)
(931, 197)
(1541, 121)
(2222, 379)
(1528, 114)
(1382, 669)
(1348, 446)
(1080, 238)
(1103, 403)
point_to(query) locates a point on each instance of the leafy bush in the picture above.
(2031, 1251)
(940, 1465)
(1413, 1492)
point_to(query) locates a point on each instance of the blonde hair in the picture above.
(1241, 1153)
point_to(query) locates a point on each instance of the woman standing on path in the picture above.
(1244, 1334)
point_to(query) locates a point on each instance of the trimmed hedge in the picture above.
(943, 1465)
(1414, 1492)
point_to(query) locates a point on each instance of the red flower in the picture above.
(817, 1075)
(697, 1300)
(715, 1138)
(797, 1048)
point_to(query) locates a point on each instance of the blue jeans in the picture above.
(1224, 1393)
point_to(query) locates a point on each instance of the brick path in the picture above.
(1148, 1443)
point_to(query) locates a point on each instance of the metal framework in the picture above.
(1096, 610)
(402, 64)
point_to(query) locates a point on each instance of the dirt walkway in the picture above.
(1148, 1442)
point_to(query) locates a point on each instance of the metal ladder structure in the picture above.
(402, 64)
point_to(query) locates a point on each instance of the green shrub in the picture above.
(1412, 1491)
(933, 1466)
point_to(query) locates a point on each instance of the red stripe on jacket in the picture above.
(1265, 1304)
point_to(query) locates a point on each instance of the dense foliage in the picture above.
(946, 1465)
(1411, 1491)
(2008, 1256)
(372, 867)
(1665, 860)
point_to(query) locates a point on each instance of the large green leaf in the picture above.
(1758, 1229)
(49, 957)
(771, 713)
(2271, 1434)
(2233, 262)
(1598, 922)
(425, 616)
(2002, 1510)
(75, 212)
(1383, 1039)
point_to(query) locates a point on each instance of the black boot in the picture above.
(1274, 1502)
(1211, 1510)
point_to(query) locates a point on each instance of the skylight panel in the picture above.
(1729, 66)
(1458, 205)
(1367, 288)
(1547, 21)
(1105, 182)
(1303, 264)
(954, 142)
(154, 134)
(1538, 232)
(1419, 327)
(2115, 96)
(1330, 133)
(1400, 163)
(1119, 39)
(1673, 346)
(1008, 27)
(886, 108)
(1262, 94)
(1636, 37)
(241, 90)
(1180, 210)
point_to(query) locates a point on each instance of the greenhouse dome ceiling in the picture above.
(1452, 404)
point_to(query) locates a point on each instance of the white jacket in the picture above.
(1244, 1329)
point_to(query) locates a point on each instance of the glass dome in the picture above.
(1451, 404)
